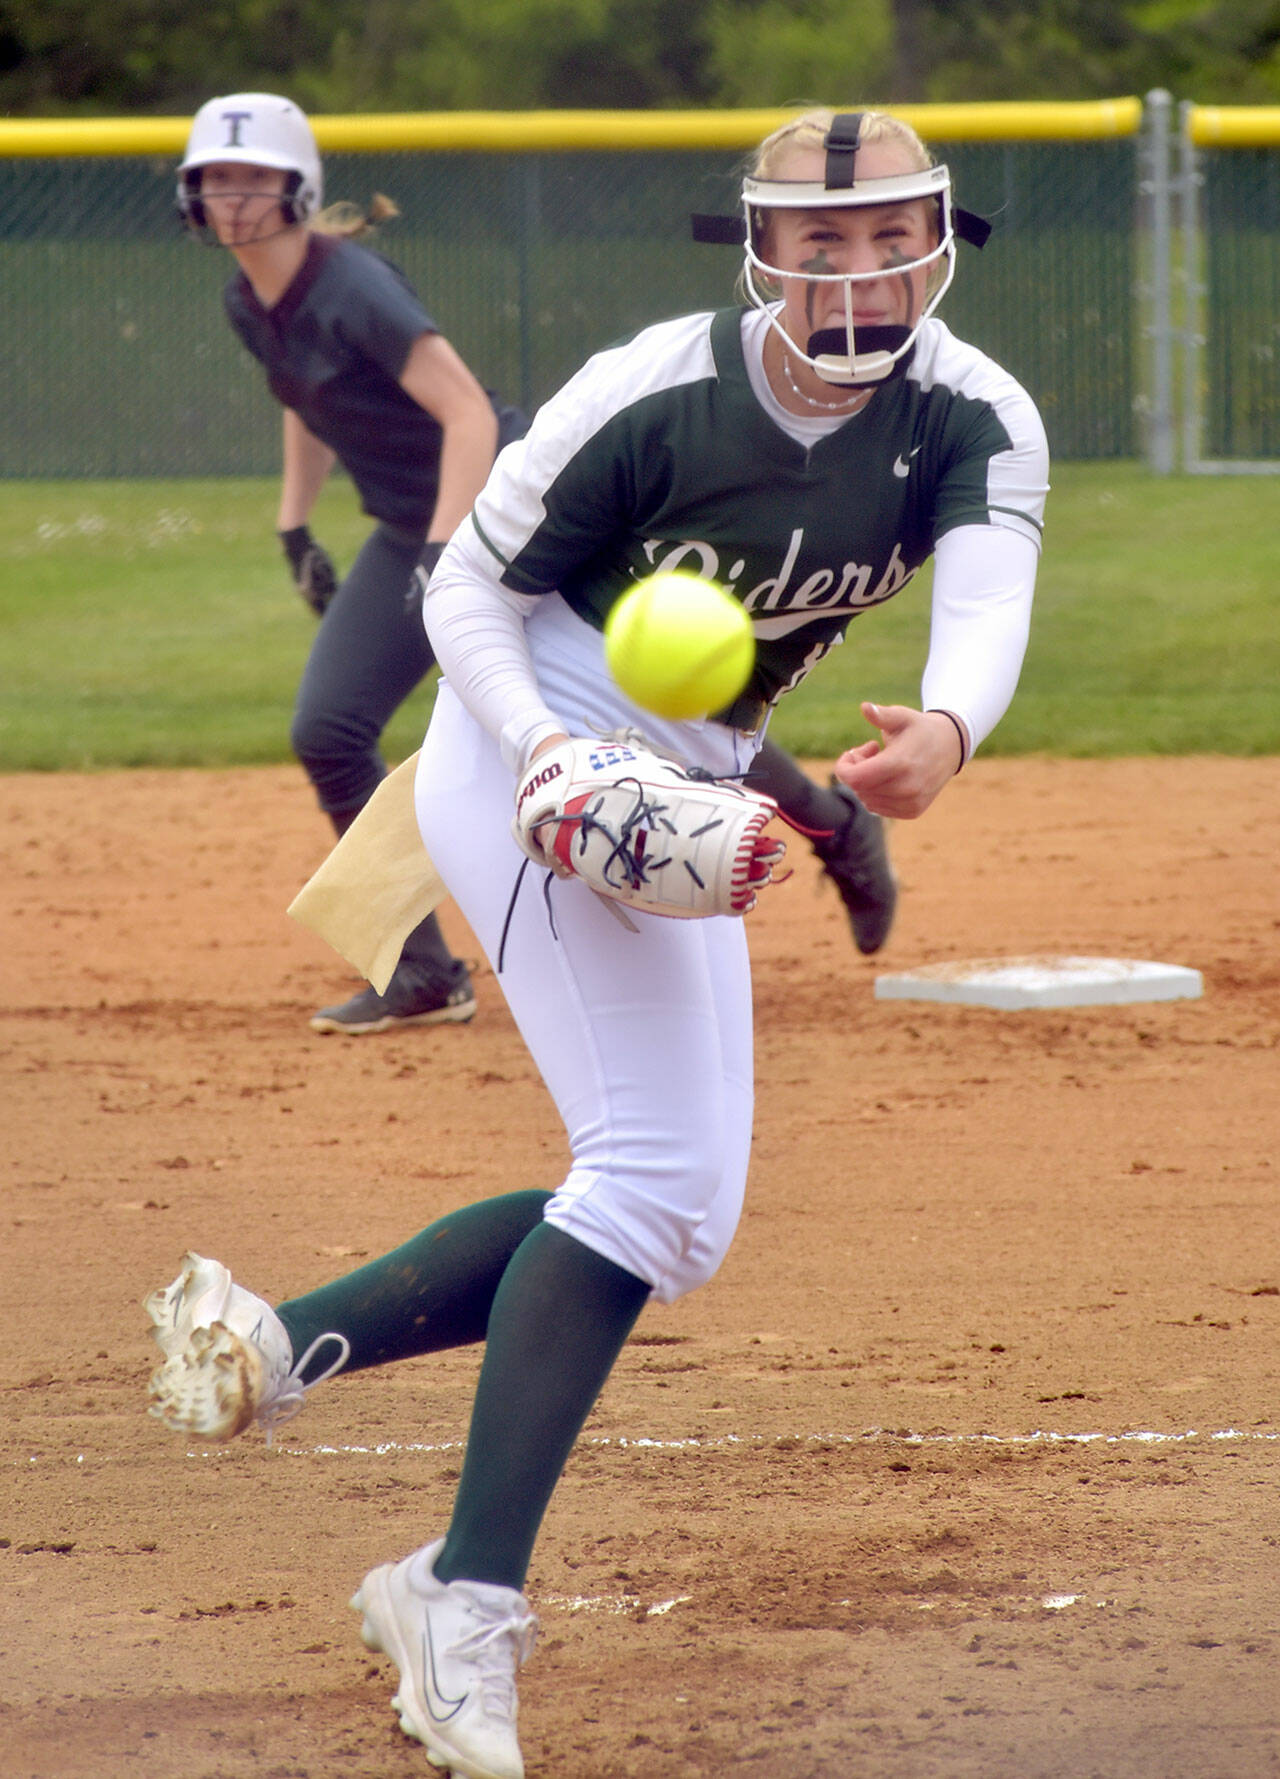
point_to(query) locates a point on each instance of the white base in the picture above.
(1043, 982)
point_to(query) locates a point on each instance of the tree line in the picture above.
(150, 57)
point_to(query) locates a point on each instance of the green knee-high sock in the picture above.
(811, 806)
(433, 1292)
(560, 1319)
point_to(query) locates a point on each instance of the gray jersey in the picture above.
(334, 348)
(658, 455)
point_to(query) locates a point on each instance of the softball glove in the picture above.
(644, 830)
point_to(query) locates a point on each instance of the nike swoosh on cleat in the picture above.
(431, 1690)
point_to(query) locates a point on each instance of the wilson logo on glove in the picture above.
(536, 783)
(643, 830)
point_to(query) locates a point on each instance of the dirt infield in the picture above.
(965, 1465)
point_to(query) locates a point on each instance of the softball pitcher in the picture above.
(809, 450)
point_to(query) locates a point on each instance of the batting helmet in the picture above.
(258, 130)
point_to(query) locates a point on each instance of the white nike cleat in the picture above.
(457, 1646)
(227, 1359)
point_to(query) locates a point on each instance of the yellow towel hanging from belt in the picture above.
(376, 884)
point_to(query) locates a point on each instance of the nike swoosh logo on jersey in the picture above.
(902, 465)
(431, 1691)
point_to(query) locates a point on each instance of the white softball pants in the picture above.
(644, 1039)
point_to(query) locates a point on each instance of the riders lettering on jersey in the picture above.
(779, 603)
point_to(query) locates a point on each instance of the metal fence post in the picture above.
(1192, 336)
(1156, 186)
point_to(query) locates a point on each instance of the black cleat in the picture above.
(856, 859)
(409, 1000)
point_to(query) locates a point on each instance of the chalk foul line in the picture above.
(786, 1441)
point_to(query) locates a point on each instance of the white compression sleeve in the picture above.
(476, 628)
(983, 580)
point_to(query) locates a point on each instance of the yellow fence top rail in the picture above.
(1234, 126)
(529, 132)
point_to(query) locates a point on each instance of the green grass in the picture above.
(153, 624)
(1154, 631)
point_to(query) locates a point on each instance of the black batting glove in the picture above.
(311, 565)
(428, 558)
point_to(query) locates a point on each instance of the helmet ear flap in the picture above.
(291, 208)
(190, 203)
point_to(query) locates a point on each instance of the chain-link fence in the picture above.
(121, 362)
(1229, 183)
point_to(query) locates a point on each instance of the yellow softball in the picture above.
(679, 645)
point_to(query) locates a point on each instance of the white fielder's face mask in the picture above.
(859, 269)
(861, 339)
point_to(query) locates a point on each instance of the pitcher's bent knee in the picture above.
(672, 1231)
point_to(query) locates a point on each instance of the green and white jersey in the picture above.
(658, 455)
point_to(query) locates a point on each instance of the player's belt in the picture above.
(747, 712)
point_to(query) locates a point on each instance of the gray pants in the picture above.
(369, 653)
